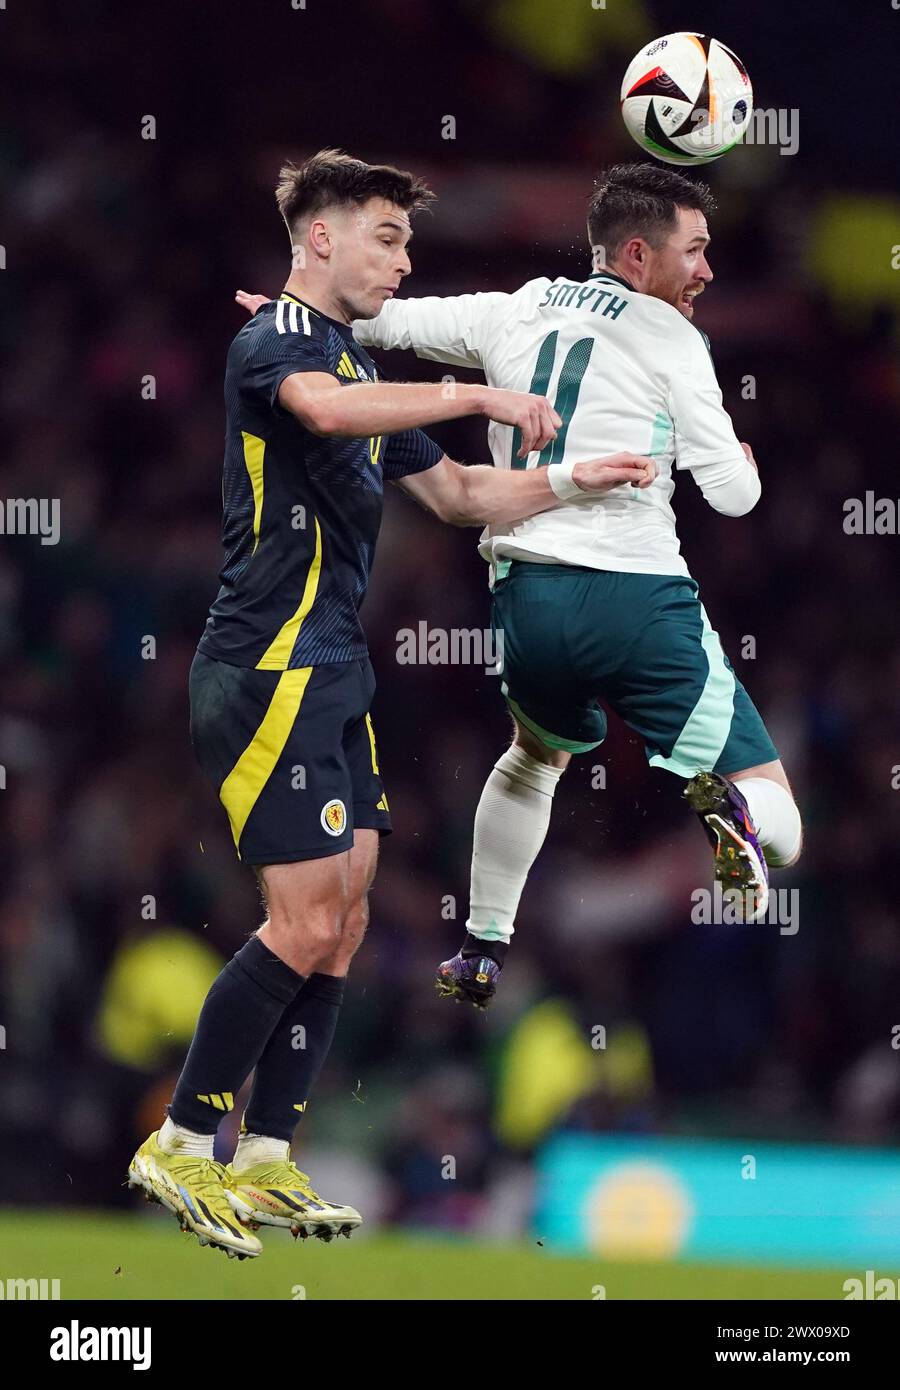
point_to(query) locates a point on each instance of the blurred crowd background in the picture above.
(121, 897)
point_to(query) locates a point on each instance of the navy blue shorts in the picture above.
(291, 755)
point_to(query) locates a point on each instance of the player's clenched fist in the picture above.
(599, 475)
(534, 416)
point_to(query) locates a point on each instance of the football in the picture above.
(686, 98)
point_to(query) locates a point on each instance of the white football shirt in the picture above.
(626, 371)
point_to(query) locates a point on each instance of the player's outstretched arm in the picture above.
(480, 495)
(442, 328)
(325, 407)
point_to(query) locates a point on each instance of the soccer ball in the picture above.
(686, 99)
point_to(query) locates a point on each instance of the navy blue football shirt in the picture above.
(301, 511)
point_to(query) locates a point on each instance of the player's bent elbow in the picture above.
(454, 513)
(458, 504)
(733, 501)
(320, 416)
(317, 411)
(732, 508)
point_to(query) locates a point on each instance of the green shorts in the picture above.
(642, 644)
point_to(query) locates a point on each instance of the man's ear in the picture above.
(634, 254)
(320, 238)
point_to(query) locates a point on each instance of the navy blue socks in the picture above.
(239, 1016)
(293, 1057)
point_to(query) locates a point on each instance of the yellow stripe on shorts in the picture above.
(372, 742)
(240, 791)
(381, 805)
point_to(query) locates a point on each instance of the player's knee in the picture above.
(784, 843)
(541, 753)
(356, 920)
(316, 928)
(789, 858)
(323, 931)
(529, 743)
(538, 774)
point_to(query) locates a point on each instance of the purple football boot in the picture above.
(469, 976)
(740, 862)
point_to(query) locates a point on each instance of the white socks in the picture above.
(251, 1148)
(172, 1139)
(776, 817)
(510, 827)
(258, 1148)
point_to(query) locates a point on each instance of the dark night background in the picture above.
(122, 256)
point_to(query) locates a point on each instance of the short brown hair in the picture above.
(333, 178)
(641, 200)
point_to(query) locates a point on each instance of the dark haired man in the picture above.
(281, 685)
(595, 601)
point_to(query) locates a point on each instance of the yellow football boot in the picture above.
(193, 1189)
(278, 1194)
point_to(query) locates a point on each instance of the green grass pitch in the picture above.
(96, 1255)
